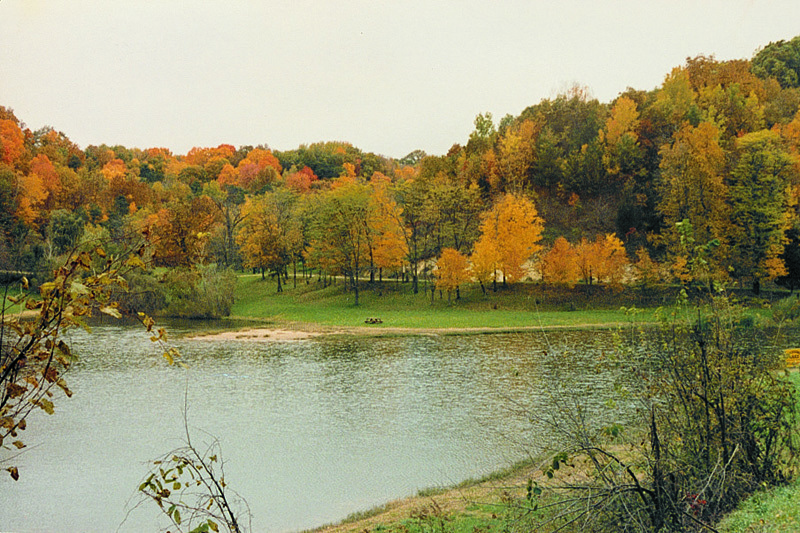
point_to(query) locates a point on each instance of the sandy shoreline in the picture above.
(304, 331)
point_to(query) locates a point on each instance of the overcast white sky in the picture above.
(388, 77)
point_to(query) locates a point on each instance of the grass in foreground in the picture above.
(524, 306)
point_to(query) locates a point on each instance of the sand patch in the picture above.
(260, 334)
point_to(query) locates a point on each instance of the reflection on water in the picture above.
(310, 430)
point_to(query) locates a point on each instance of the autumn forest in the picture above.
(695, 180)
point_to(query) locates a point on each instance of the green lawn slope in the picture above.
(520, 307)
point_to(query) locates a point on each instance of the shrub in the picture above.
(786, 310)
(715, 420)
(199, 292)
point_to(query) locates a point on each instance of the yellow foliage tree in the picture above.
(451, 271)
(517, 154)
(510, 235)
(270, 236)
(692, 187)
(621, 150)
(484, 261)
(648, 272)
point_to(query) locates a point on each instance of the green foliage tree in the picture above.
(200, 291)
(759, 197)
(413, 197)
(791, 260)
(228, 200)
(340, 232)
(779, 60)
(270, 235)
(65, 230)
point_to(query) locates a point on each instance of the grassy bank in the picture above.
(524, 306)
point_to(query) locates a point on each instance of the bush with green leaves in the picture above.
(714, 421)
(203, 291)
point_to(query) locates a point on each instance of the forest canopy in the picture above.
(602, 185)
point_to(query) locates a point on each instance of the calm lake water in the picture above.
(310, 430)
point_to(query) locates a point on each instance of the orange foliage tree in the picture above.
(388, 248)
(604, 259)
(301, 180)
(39, 189)
(452, 270)
(180, 232)
(559, 265)
(258, 169)
(12, 142)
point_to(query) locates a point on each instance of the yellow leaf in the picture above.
(135, 261)
(14, 472)
(79, 288)
(18, 444)
(111, 311)
(50, 374)
(46, 288)
(13, 390)
(45, 405)
(85, 259)
(63, 384)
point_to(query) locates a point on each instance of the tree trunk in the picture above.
(354, 282)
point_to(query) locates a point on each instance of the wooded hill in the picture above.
(699, 177)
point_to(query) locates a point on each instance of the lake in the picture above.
(310, 430)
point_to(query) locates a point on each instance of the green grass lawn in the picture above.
(395, 304)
